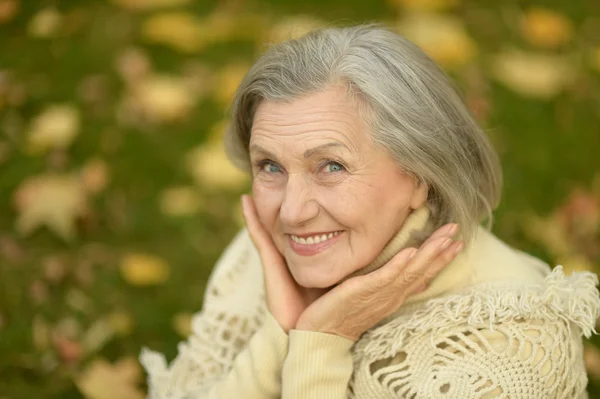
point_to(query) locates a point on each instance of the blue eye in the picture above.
(269, 167)
(332, 167)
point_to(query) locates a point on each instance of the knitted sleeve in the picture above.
(236, 349)
(492, 343)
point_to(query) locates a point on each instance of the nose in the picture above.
(299, 206)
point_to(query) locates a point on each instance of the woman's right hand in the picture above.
(284, 297)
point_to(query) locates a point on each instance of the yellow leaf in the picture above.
(227, 81)
(180, 201)
(143, 269)
(576, 263)
(182, 324)
(211, 169)
(292, 27)
(121, 322)
(595, 58)
(143, 5)
(55, 201)
(102, 380)
(94, 176)
(443, 38)
(179, 30)
(546, 28)
(56, 127)
(548, 232)
(8, 9)
(45, 23)
(591, 356)
(162, 98)
(533, 75)
(425, 5)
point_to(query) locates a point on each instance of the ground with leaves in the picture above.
(117, 198)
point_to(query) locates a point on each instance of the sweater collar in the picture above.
(452, 276)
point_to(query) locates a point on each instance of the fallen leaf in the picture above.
(55, 201)
(533, 75)
(158, 99)
(102, 380)
(548, 232)
(182, 324)
(38, 292)
(133, 65)
(546, 28)
(576, 263)
(122, 323)
(45, 23)
(177, 29)
(594, 58)
(56, 127)
(443, 38)
(591, 357)
(143, 269)
(54, 268)
(68, 350)
(227, 81)
(98, 335)
(78, 300)
(94, 176)
(581, 212)
(8, 9)
(144, 5)
(180, 201)
(40, 333)
(211, 168)
(424, 5)
(292, 27)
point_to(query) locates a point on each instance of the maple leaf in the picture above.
(102, 380)
(144, 269)
(533, 75)
(143, 5)
(180, 201)
(54, 201)
(159, 99)
(211, 168)
(56, 127)
(443, 38)
(546, 28)
(425, 5)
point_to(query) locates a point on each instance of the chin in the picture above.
(312, 281)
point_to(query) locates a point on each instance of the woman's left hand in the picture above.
(359, 303)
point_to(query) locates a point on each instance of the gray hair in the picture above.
(413, 111)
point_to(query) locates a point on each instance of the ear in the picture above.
(419, 195)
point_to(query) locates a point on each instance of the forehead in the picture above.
(329, 114)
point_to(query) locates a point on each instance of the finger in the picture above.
(436, 266)
(419, 264)
(447, 230)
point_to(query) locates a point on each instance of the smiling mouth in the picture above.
(316, 239)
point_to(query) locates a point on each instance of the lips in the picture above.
(309, 249)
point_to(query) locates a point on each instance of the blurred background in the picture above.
(116, 197)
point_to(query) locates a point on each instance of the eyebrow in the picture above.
(307, 154)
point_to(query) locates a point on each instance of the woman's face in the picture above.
(316, 173)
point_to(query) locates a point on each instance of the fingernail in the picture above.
(453, 229)
(412, 254)
(459, 248)
(445, 243)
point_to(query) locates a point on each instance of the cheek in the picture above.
(268, 202)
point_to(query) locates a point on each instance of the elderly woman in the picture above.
(364, 272)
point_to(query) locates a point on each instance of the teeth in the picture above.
(314, 239)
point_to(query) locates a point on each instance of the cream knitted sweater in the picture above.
(496, 323)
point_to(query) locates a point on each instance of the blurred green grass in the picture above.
(548, 148)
